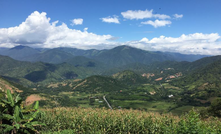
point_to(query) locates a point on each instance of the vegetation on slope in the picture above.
(99, 84)
(129, 77)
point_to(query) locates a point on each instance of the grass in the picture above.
(157, 106)
(181, 110)
(167, 85)
(100, 121)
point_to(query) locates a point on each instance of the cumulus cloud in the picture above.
(78, 21)
(37, 31)
(157, 23)
(178, 16)
(111, 19)
(140, 14)
(197, 43)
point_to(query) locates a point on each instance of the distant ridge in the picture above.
(115, 57)
(19, 47)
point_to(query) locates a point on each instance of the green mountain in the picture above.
(124, 55)
(29, 73)
(202, 85)
(138, 68)
(116, 57)
(186, 57)
(81, 61)
(183, 66)
(203, 62)
(99, 84)
(129, 77)
(20, 52)
(80, 52)
(207, 75)
(50, 56)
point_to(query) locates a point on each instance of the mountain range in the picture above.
(145, 75)
(118, 56)
(48, 65)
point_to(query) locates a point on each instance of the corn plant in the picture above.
(14, 118)
(93, 121)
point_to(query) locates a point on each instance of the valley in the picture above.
(163, 84)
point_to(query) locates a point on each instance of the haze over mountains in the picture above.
(117, 56)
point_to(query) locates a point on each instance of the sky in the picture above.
(183, 26)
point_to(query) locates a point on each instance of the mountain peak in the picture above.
(19, 47)
(123, 47)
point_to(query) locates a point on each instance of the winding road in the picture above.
(107, 102)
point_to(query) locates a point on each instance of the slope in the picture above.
(129, 77)
(50, 56)
(202, 85)
(20, 52)
(28, 73)
(99, 84)
(81, 61)
(124, 55)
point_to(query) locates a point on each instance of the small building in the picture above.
(170, 96)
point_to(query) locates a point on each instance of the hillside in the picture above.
(124, 55)
(99, 84)
(129, 77)
(201, 85)
(50, 56)
(80, 52)
(5, 84)
(81, 61)
(29, 73)
(20, 52)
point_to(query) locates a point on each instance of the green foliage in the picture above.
(14, 118)
(213, 110)
(129, 77)
(190, 123)
(100, 84)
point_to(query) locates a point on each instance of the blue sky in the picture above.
(184, 26)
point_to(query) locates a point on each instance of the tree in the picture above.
(215, 108)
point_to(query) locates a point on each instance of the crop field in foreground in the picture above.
(79, 120)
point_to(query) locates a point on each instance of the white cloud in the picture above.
(37, 31)
(161, 16)
(111, 19)
(157, 23)
(139, 14)
(197, 43)
(86, 28)
(178, 16)
(78, 21)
